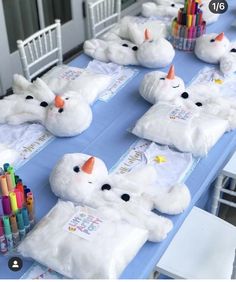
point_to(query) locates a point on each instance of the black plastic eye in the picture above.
(44, 104)
(60, 110)
(29, 97)
(162, 78)
(125, 45)
(212, 40)
(76, 169)
(198, 104)
(135, 48)
(233, 50)
(184, 95)
(67, 98)
(90, 182)
(106, 187)
(172, 5)
(125, 197)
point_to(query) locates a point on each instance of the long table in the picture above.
(108, 138)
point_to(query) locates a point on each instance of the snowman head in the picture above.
(68, 115)
(159, 86)
(155, 53)
(211, 47)
(78, 177)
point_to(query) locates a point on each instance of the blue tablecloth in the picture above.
(108, 139)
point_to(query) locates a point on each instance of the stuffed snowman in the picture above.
(217, 49)
(64, 116)
(84, 179)
(159, 86)
(150, 53)
(162, 8)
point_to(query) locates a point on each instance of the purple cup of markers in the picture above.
(1, 207)
(6, 205)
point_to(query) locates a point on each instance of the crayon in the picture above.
(13, 201)
(9, 182)
(3, 241)
(193, 20)
(3, 181)
(8, 234)
(21, 226)
(193, 8)
(15, 231)
(6, 205)
(26, 219)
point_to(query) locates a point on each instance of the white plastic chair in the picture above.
(203, 248)
(102, 16)
(228, 172)
(43, 49)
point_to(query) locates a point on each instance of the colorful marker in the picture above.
(3, 242)
(8, 234)
(6, 205)
(15, 231)
(26, 219)
(21, 226)
(13, 201)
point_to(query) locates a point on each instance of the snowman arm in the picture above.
(40, 90)
(157, 226)
(20, 84)
(22, 118)
(173, 202)
(96, 49)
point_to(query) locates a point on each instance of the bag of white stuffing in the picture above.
(81, 242)
(189, 130)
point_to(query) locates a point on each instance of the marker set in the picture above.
(16, 209)
(187, 26)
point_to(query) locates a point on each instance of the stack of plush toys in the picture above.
(101, 220)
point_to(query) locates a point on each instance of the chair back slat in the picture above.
(40, 50)
(103, 14)
(30, 52)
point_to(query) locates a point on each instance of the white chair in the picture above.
(203, 248)
(228, 173)
(102, 16)
(41, 50)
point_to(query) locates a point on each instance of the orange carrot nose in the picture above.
(88, 166)
(147, 35)
(220, 36)
(59, 102)
(171, 73)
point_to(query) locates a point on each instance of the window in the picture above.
(127, 3)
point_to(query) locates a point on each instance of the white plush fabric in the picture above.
(151, 54)
(208, 16)
(69, 181)
(189, 130)
(35, 102)
(132, 28)
(8, 155)
(163, 8)
(156, 87)
(208, 99)
(210, 50)
(228, 61)
(103, 257)
(89, 85)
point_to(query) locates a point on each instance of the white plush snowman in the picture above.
(64, 116)
(207, 98)
(217, 49)
(84, 179)
(208, 16)
(159, 86)
(163, 8)
(150, 53)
